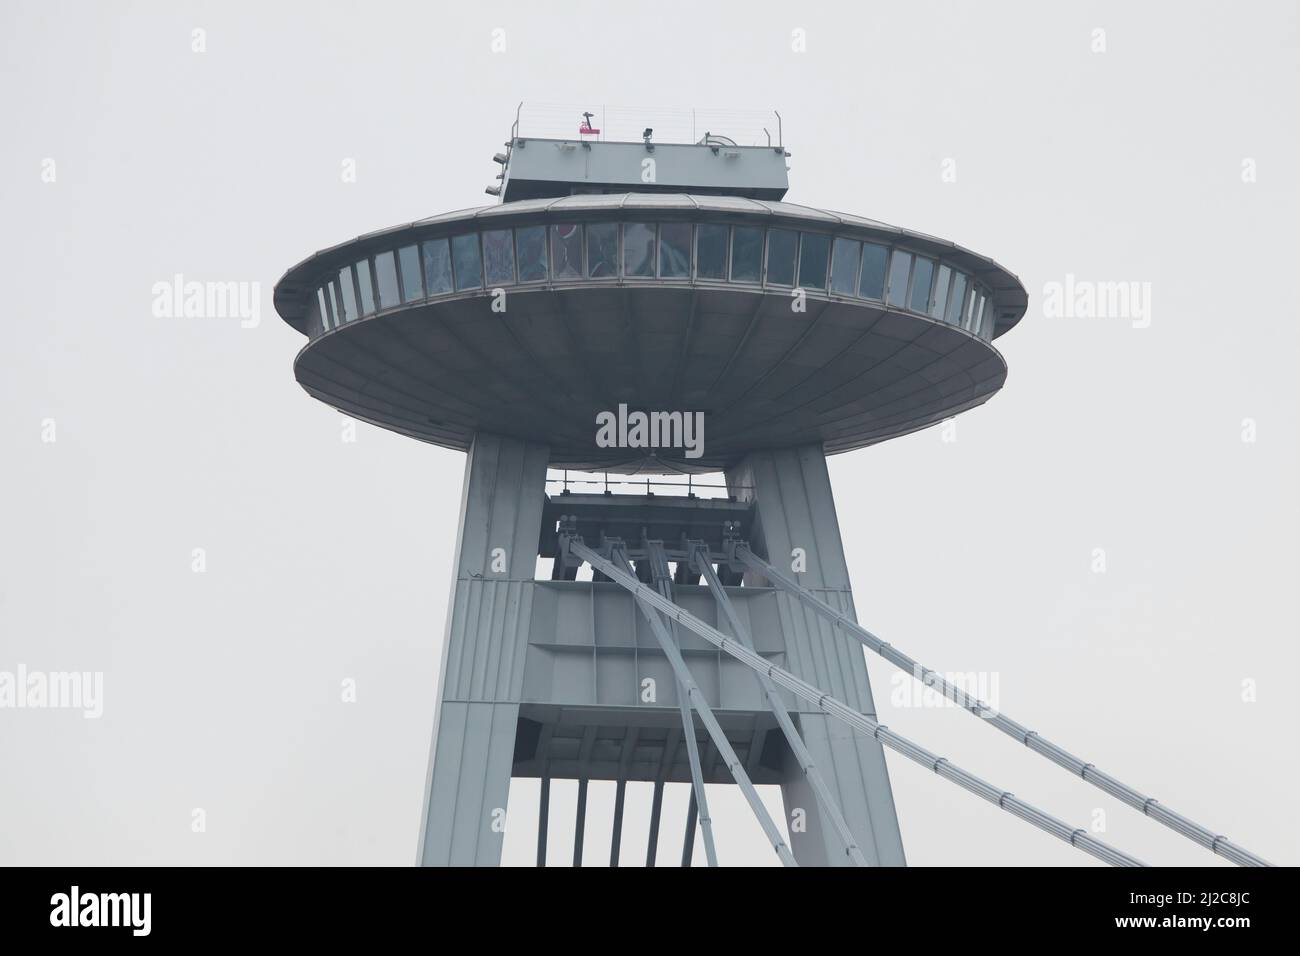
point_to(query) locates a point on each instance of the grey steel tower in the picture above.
(664, 286)
(655, 308)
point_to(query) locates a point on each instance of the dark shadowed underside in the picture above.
(845, 374)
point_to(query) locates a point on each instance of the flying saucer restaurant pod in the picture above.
(660, 276)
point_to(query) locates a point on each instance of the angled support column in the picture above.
(543, 820)
(480, 683)
(658, 574)
(656, 810)
(719, 737)
(671, 743)
(688, 840)
(616, 837)
(620, 796)
(825, 799)
(580, 822)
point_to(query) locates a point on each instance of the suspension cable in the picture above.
(825, 799)
(1207, 838)
(1076, 837)
(696, 697)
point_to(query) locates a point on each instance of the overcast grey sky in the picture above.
(1169, 158)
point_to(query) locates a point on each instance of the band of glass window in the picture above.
(670, 250)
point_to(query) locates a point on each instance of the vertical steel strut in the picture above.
(656, 808)
(543, 819)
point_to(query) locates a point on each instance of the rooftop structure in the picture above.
(551, 168)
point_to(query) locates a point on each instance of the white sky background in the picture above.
(329, 560)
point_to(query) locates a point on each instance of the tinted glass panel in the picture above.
(711, 252)
(349, 294)
(364, 287)
(955, 300)
(813, 253)
(675, 250)
(337, 302)
(602, 250)
(746, 253)
(872, 285)
(781, 247)
(941, 292)
(566, 251)
(900, 264)
(499, 257)
(972, 307)
(408, 261)
(977, 314)
(467, 261)
(386, 275)
(922, 276)
(323, 309)
(844, 266)
(530, 245)
(638, 249)
(437, 266)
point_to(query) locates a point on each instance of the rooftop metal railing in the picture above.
(627, 123)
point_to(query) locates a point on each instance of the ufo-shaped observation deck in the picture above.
(784, 325)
